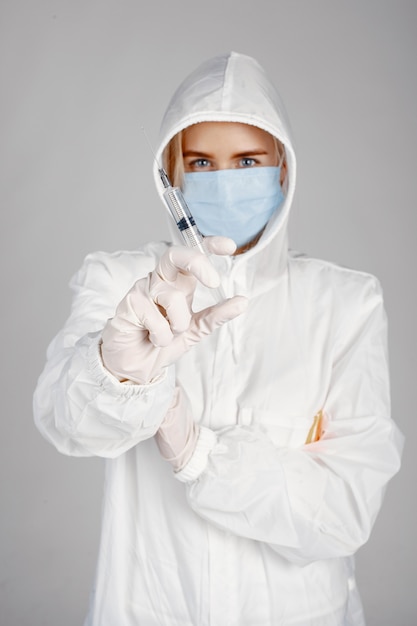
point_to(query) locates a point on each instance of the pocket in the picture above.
(289, 431)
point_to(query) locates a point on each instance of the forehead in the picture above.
(226, 133)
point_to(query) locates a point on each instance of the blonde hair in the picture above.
(174, 163)
(173, 160)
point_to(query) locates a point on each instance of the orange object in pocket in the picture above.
(316, 429)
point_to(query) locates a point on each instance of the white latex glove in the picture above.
(177, 436)
(154, 323)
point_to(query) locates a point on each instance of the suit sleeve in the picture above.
(319, 500)
(78, 405)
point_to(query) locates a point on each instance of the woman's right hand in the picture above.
(154, 324)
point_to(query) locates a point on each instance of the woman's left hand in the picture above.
(177, 436)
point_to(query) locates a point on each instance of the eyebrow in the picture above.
(196, 153)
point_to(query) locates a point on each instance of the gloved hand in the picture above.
(154, 323)
(177, 435)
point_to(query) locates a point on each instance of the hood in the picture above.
(234, 88)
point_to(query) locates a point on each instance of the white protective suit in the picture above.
(258, 528)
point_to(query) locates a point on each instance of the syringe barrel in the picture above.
(183, 218)
(188, 228)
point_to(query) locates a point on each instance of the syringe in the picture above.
(181, 214)
(185, 222)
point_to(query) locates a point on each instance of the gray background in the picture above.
(78, 80)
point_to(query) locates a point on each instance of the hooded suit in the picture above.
(260, 527)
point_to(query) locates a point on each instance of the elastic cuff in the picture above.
(206, 441)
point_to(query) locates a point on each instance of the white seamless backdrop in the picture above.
(79, 78)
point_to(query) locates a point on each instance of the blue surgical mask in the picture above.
(235, 203)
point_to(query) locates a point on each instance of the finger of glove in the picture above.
(219, 245)
(175, 304)
(208, 320)
(204, 323)
(179, 260)
(138, 311)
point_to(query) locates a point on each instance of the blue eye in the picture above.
(247, 162)
(200, 163)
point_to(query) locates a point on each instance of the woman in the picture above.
(271, 408)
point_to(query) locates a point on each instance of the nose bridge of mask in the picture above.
(242, 185)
